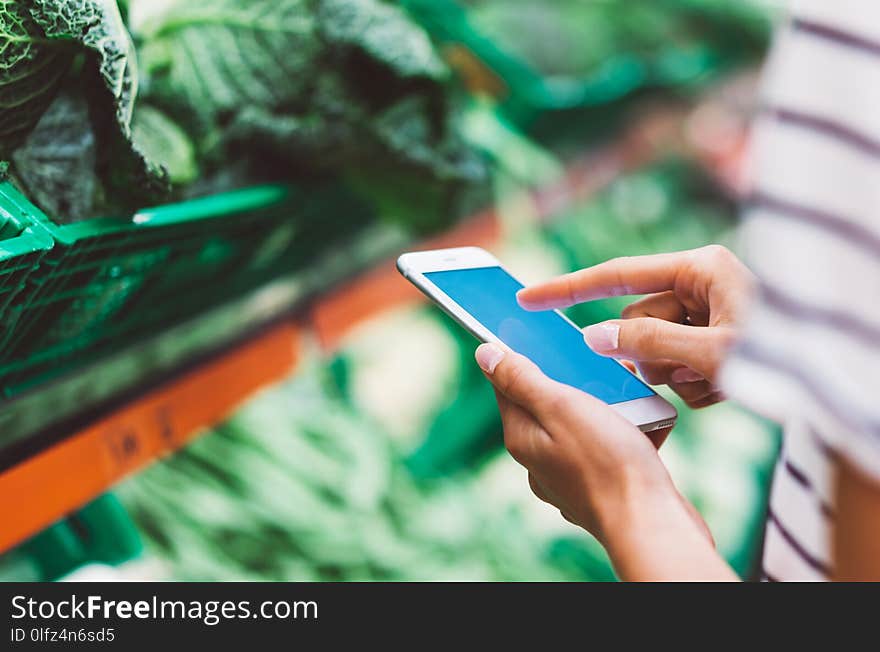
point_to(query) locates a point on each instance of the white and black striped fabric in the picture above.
(810, 356)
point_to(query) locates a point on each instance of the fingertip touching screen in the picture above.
(558, 348)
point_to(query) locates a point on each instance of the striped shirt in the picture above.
(810, 353)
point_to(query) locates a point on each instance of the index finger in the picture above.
(613, 278)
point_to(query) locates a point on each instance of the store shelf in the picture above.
(45, 487)
(37, 418)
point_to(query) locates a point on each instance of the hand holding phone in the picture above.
(584, 457)
(471, 285)
(680, 333)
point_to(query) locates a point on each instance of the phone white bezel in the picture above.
(649, 413)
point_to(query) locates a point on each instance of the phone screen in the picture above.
(558, 348)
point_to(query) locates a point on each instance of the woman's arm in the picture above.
(602, 472)
(657, 539)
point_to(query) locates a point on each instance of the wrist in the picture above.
(636, 507)
(651, 535)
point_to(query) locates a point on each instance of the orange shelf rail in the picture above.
(48, 486)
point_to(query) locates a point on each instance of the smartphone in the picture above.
(470, 285)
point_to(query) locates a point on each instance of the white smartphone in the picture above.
(474, 289)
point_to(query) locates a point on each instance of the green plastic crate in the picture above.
(22, 246)
(107, 282)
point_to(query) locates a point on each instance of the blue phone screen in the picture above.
(489, 295)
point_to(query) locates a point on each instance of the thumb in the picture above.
(517, 378)
(649, 339)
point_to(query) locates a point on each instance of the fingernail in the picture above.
(488, 356)
(525, 303)
(685, 375)
(602, 337)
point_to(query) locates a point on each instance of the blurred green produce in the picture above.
(297, 486)
(570, 38)
(567, 67)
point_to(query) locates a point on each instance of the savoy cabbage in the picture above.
(67, 90)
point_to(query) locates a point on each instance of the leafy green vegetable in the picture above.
(57, 162)
(67, 90)
(306, 86)
(384, 33)
(30, 72)
(161, 139)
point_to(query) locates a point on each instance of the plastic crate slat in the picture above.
(70, 293)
